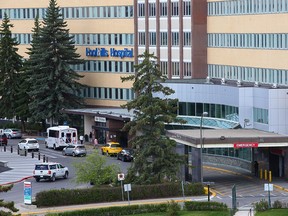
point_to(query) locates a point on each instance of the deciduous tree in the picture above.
(95, 170)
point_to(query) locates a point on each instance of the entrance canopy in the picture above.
(227, 138)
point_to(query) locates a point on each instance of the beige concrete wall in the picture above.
(83, 26)
(62, 3)
(105, 103)
(109, 80)
(267, 23)
(276, 59)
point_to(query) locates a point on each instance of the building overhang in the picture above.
(227, 138)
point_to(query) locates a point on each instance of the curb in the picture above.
(22, 179)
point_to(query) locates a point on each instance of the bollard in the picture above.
(32, 154)
(265, 174)
(261, 174)
(270, 176)
(39, 156)
(25, 153)
(18, 151)
(11, 149)
(4, 148)
(44, 158)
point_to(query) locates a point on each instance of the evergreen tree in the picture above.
(8, 205)
(10, 66)
(55, 84)
(156, 160)
(26, 77)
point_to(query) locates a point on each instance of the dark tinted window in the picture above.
(41, 167)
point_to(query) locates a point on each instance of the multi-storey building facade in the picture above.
(239, 45)
(103, 34)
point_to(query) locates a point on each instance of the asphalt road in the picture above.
(16, 194)
(248, 188)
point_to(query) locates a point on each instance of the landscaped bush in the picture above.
(261, 206)
(117, 210)
(204, 206)
(112, 194)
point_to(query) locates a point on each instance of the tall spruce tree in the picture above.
(55, 84)
(10, 66)
(156, 160)
(27, 75)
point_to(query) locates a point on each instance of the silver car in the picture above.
(75, 150)
(13, 133)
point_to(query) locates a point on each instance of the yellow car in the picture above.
(111, 148)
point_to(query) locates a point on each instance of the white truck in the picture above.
(50, 171)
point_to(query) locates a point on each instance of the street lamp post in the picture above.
(201, 143)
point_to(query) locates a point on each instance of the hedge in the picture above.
(98, 195)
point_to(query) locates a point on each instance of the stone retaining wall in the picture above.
(229, 161)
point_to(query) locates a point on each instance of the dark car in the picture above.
(3, 140)
(126, 155)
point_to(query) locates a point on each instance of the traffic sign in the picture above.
(121, 176)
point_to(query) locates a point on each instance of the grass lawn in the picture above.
(192, 213)
(274, 212)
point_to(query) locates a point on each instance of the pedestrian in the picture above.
(81, 139)
(90, 137)
(95, 142)
(256, 168)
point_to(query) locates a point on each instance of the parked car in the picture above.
(3, 140)
(126, 154)
(50, 171)
(111, 148)
(28, 144)
(75, 150)
(13, 133)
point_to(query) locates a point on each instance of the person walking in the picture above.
(90, 137)
(256, 168)
(81, 138)
(95, 143)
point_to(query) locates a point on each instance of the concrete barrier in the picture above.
(3, 163)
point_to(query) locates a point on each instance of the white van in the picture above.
(59, 137)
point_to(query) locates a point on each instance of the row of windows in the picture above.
(164, 38)
(163, 9)
(259, 41)
(175, 70)
(243, 153)
(88, 39)
(260, 115)
(108, 93)
(71, 12)
(105, 66)
(250, 74)
(247, 7)
(214, 110)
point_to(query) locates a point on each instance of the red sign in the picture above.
(246, 145)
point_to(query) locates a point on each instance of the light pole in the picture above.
(201, 143)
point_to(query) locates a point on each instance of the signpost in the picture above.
(28, 193)
(268, 187)
(121, 178)
(127, 188)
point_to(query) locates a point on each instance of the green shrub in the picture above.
(261, 206)
(277, 204)
(112, 194)
(173, 208)
(204, 206)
